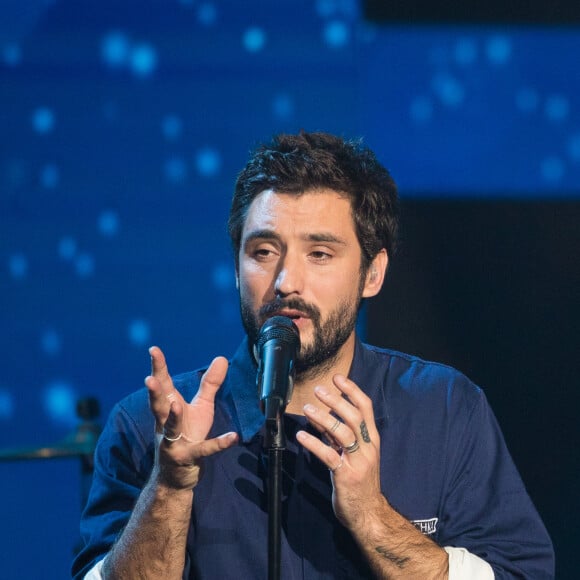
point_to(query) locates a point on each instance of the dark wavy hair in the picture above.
(299, 163)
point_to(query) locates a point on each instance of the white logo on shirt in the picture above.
(426, 527)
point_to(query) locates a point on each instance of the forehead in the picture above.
(312, 211)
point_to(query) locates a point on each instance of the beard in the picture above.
(327, 338)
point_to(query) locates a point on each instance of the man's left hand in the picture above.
(353, 451)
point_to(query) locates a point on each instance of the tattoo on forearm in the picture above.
(365, 432)
(398, 561)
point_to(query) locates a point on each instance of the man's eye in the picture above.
(263, 253)
(320, 256)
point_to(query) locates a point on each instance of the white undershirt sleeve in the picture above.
(464, 565)
(95, 572)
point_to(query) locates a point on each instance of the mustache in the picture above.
(291, 304)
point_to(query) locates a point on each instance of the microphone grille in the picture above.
(280, 328)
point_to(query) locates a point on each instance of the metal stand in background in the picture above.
(81, 443)
(274, 444)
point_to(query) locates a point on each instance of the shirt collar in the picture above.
(241, 391)
(369, 371)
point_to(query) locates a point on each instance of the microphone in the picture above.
(277, 346)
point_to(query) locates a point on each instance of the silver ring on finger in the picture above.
(172, 439)
(352, 447)
(335, 426)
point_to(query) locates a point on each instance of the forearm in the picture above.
(154, 541)
(395, 548)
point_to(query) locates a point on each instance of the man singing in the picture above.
(395, 467)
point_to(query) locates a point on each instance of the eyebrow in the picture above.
(261, 235)
(328, 238)
(265, 234)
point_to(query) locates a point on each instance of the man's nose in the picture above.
(290, 277)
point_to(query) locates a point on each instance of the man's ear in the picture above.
(375, 275)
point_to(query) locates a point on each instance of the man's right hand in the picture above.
(182, 428)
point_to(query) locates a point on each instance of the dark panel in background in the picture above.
(474, 11)
(492, 288)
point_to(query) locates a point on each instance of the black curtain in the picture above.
(493, 289)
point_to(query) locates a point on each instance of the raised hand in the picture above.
(182, 428)
(352, 453)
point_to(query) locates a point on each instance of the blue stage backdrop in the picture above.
(123, 125)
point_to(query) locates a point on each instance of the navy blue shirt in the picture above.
(444, 466)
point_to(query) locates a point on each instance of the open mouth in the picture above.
(292, 314)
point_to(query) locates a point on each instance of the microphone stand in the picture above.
(274, 444)
(276, 348)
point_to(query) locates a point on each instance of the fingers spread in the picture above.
(212, 379)
(211, 446)
(364, 425)
(160, 386)
(159, 365)
(173, 428)
(341, 407)
(346, 421)
(338, 434)
(329, 456)
(324, 422)
(187, 452)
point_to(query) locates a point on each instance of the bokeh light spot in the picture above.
(139, 332)
(499, 50)
(254, 39)
(85, 265)
(67, 248)
(175, 170)
(283, 107)
(49, 176)
(223, 277)
(115, 49)
(449, 90)
(143, 60)
(6, 404)
(43, 120)
(172, 127)
(50, 342)
(18, 266)
(552, 169)
(207, 13)
(60, 403)
(11, 54)
(326, 8)
(557, 108)
(208, 162)
(336, 34)
(108, 223)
